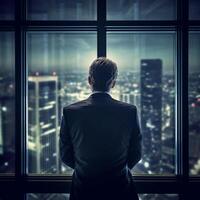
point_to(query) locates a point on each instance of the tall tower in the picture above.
(43, 124)
(151, 112)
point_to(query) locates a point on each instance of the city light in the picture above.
(146, 164)
(4, 108)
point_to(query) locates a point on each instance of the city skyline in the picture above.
(121, 80)
(126, 96)
(61, 54)
(73, 87)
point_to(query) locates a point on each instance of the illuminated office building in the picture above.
(151, 112)
(43, 124)
(132, 98)
(168, 124)
(125, 97)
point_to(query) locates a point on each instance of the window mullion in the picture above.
(184, 88)
(101, 29)
(182, 96)
(20, 95)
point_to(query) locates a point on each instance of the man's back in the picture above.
(100, 128)
(103, 137)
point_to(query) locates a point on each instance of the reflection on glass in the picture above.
(34, 196)
(57, 67)
(146, 63)
(194, 9)
(141, 10)
(7, 103)
(194, 103)
(158, 196)
(6, 9)
(39, 196)
(62, 10)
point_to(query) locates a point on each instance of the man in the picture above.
(100, 139)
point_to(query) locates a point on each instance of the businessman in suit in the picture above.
(100, 139)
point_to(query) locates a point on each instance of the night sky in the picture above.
(66, 51)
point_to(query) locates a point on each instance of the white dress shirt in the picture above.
(96, 91)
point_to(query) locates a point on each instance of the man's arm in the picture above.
(135, 146)
(65, 143)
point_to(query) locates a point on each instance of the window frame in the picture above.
(21, 183)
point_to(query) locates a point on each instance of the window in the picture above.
(57, 68)
(144, 74)
(141, 10)
(194, 7)
(61, 10)
(7, 10)
(7, 103)
(45, 51)
(194, 103)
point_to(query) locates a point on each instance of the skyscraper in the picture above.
(43, 124)
(151, 112)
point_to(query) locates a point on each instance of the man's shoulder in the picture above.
(124, 105)
(76, 105)
(114, 102)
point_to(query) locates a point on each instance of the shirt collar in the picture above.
(96, 91)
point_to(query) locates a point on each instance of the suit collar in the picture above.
(95, 95)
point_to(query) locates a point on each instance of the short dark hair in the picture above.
(102, 71)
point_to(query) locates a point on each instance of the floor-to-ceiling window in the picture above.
(46, 48)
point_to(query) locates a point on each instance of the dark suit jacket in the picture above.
(100, 139)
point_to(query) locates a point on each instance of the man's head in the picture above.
(102, 74)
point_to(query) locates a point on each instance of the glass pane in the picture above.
(6, 9)
(7, 103)
(57, 68)
(141, 10)
(39, 196)
(34, 196)
(194, 103)
(7, 196)
(147, 62)
(62, 9)
(158, 196)
(194, 9)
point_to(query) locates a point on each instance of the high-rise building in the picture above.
(168, 124)
(131, 97)
(43, 124)
(151, 112)
(125, 97)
